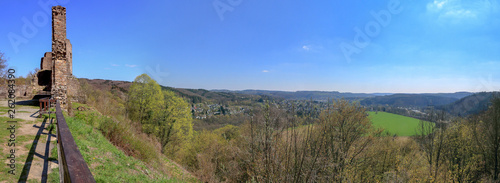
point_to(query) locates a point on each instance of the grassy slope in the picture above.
(395, 124)
(109, 164)
(4, 151)
(4, 148)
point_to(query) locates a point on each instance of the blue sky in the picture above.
(331, 45)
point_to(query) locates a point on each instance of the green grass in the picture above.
(4, 108)
(4, 176)
(22, 142)
(4, 150)
(107, 162)
(395, 124)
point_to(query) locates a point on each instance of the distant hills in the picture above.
(458, 103)
(192, 95)
(471, 104)
(415, 100)
(304, 95)
(402, 100)
(325, 95)
(202, 95)
(457, 95)
(104, 84)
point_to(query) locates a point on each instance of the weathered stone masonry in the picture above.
(56, 70)
(60, 54)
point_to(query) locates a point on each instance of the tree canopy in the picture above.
(160, 112)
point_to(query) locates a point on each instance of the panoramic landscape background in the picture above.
(386, 46)
(244, 91)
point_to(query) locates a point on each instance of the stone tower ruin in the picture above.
(61, 55)
(55, 77)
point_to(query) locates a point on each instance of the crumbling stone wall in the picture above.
(56, 67)
(46, 63)
(60, 67)
(69, 56)
(43, 78)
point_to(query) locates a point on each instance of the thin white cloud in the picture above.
(306, 47)
(436, 5)
(130, 65)
(493, 64)
(439, 4)
(455, 11)
(460, 13)
(265, 71)
(115, 65)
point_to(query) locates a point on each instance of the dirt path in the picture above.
(34, 145)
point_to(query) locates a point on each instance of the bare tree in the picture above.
(431, 140)
(487, 135)
(3, 65)
(345, 127)
(282, 148)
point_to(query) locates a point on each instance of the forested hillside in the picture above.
(271, 143)
(202, 95)
(409, 100)
(472, 104)
(305, 95)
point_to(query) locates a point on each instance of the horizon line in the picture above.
(273, 90)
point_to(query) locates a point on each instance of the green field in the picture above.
(395, 124)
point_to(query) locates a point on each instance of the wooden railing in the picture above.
(43, 93)
(45, 105)
(72, 166)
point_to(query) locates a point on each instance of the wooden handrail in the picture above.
(45, 105)
(72, 166)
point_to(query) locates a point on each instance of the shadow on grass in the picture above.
(32, 102)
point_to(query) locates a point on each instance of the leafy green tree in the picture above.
(488, 137)
(345, 129)
(462, 158)
(145, 100)
(228, 132)
(161, 113)
(175, 126)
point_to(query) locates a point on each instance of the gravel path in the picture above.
(36, 165)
